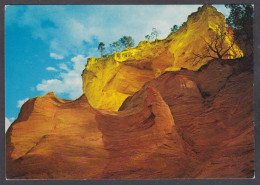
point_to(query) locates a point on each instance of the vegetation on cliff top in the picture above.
(123, 43)
(240, 20)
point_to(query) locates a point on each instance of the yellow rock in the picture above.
(108, 81)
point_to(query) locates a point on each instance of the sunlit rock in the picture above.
(108, 81)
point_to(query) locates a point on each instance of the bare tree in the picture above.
(215, 47)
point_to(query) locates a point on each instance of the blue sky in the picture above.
(47, 46)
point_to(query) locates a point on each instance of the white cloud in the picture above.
(51, 69)
(70, 81)
(51, 85)
(73, 26)
(8, 122)
(64, 66)
(56, 56)
(21, 102)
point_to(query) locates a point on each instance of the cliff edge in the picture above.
(108, 81)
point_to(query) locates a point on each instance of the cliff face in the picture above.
(108, 81)
(213, 114)
(176, 118)
(55, 138)
(183, 124)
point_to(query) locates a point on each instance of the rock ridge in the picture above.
(108, 81)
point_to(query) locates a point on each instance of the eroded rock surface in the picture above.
(55, 138)
(183, 124)
(213, 113)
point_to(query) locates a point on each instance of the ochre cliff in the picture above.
(108, 81)
(183, 124)
(55, 138)
(148, 112)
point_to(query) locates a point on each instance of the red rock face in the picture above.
(181, 125)
(54, 138)
(213, 113)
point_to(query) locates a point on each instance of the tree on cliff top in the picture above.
(122, 43)
(126, 41)
(215, 46)
(155, 33)
(174, 28)
(240, 20)
(148, 37)
(115, 47)
(101, 48)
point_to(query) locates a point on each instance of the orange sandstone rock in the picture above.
(55, 138)
(184, 124)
